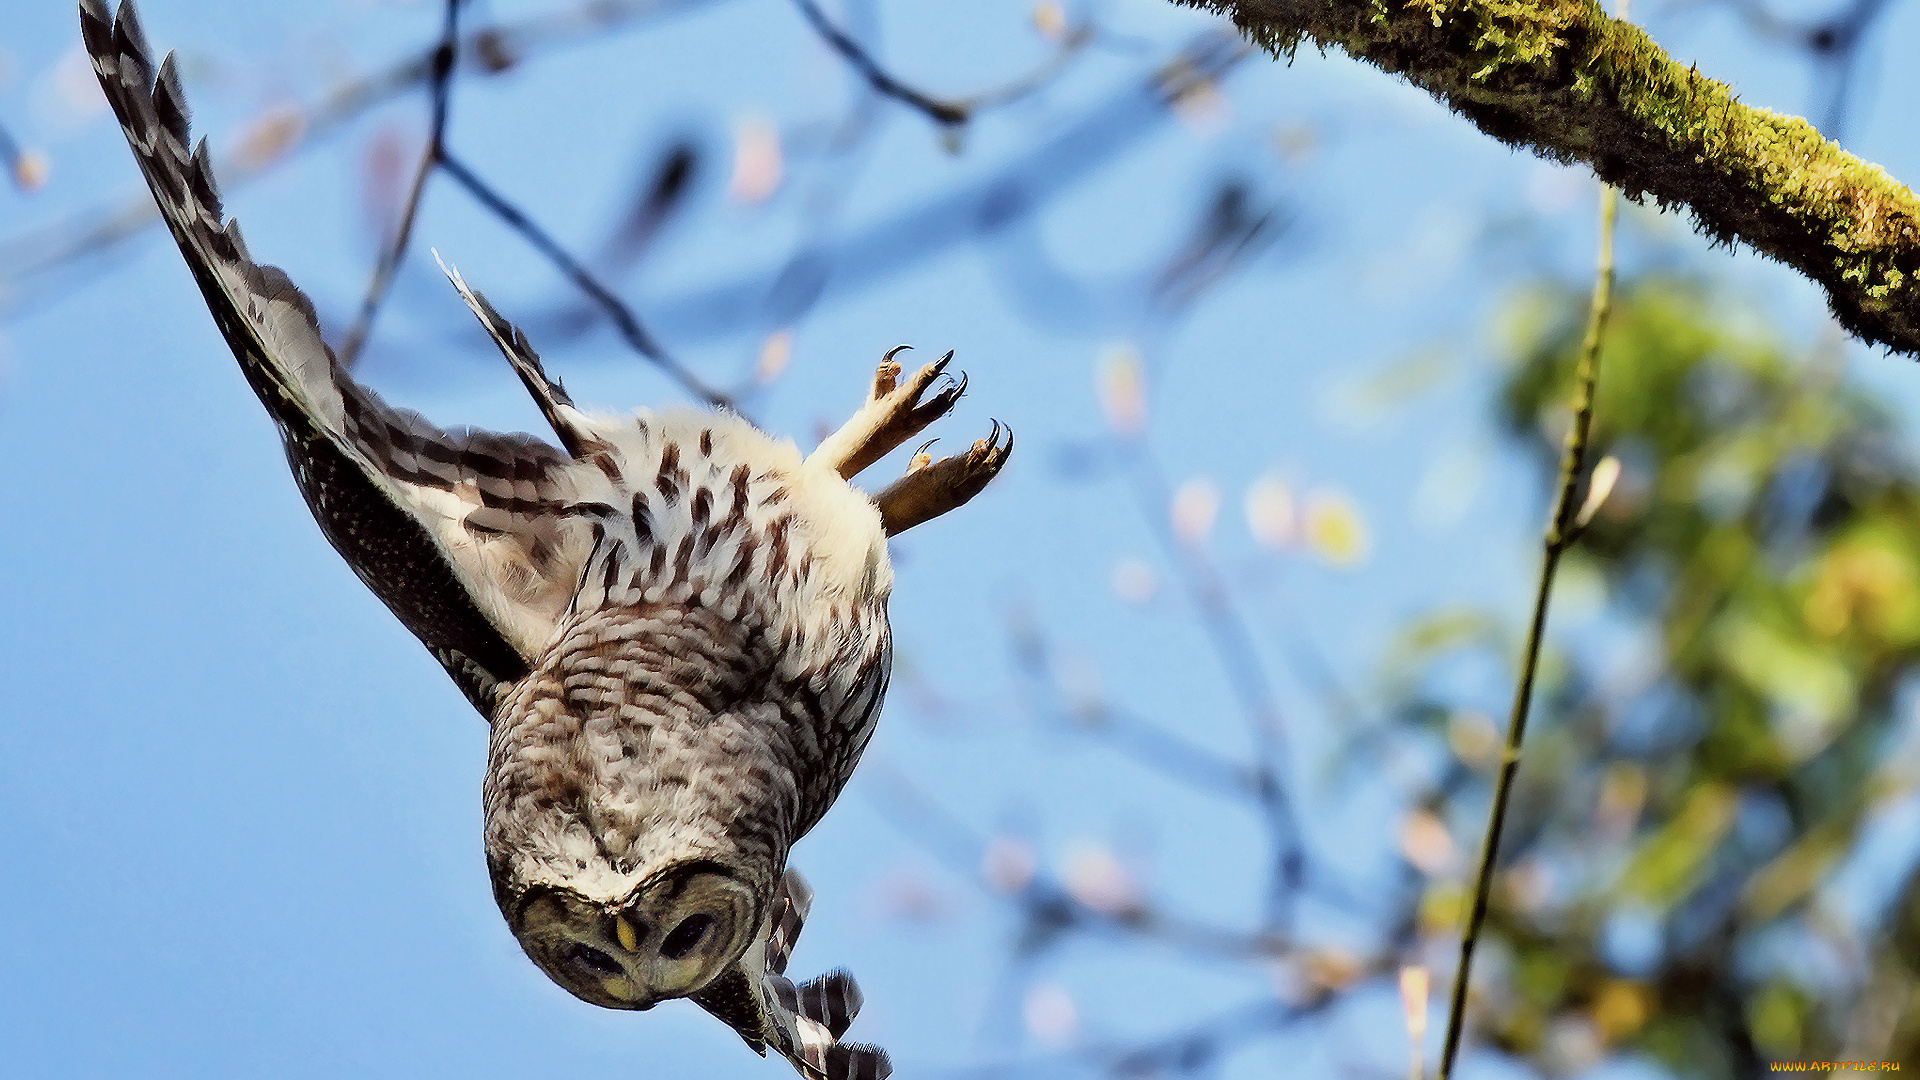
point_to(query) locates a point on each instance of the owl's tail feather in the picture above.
(790, 906)
(858, 1061)
(807, 1024)
(832, 1000)
(808, 1019)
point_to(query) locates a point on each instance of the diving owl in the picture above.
(674, 623)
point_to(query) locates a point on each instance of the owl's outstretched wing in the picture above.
(454, 531)
(803, 1022)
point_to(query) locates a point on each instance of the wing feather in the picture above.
(392, 492)
(568, 425)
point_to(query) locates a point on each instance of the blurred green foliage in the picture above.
(1683, 810)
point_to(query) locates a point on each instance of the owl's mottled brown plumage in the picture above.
(675, 624)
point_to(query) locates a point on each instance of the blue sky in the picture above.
(239, 807)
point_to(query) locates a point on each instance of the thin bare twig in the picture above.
(21, 166)
(486, 51)
(1193, 1050)
(1833, 42)
(1246, 677)
(396, 249)
(1153, 746)
(623, 317)
(947, 113)
(1071, 44)
(1562, 530)
(1150, 745)
(1048, 905)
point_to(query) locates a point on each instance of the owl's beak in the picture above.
(628, 995)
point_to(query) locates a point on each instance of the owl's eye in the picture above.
(588, 958)
(685, 936)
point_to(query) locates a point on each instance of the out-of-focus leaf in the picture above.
(775, 351)
(757, 161)
(1414, 988)
(1866, 586)
(1421, 640)
(1621, 1007)
(1426, 843)
(1794, 673)
(1270, 513)
(1335, 529)
(1474, 740)
(1196, 503)
(1777, 1017)
(1623, 794)
(1051, 1015)
(1797, 870)
(1672, 860)
(1123, 391)
(1134, 580)
(1443, 908)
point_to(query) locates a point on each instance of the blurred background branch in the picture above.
(444, 58)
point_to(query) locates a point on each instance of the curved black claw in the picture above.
(931, 490)
(887, 375)
(896, 410)
(943, 400)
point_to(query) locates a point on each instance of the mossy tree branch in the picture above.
(1563, 79)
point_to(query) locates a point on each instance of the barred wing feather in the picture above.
(414, 510)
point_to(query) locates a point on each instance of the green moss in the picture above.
(1565, 80)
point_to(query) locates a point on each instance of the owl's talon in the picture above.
(894, 414)
(932, 488)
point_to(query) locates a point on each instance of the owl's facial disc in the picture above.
(669, 939)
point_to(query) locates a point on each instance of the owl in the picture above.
(674, 623)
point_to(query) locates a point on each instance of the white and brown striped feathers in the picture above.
(675, 624)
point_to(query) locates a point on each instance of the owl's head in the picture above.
(667, 937)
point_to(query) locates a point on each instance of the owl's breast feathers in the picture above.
(719, 666)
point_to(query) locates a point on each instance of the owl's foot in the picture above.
(931, 488)
(894, 413)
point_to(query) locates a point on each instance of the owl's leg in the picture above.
(932, 488)
(893, 414)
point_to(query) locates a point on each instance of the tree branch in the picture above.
(396, 248)
(624, 319)
(1569, 517)
(490, 50)
(942, 112)
(1563, 79)
(1239, 658)
(1150, 745)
